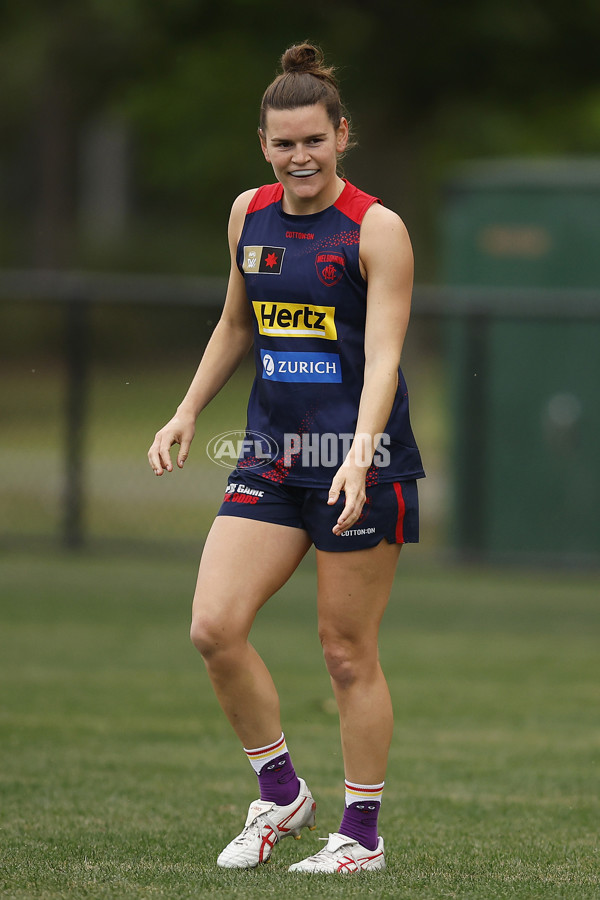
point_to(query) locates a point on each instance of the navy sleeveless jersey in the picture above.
(308, 299)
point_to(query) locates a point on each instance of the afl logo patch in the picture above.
(263, 260)
(330, 267)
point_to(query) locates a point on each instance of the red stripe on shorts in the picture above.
(401, 510)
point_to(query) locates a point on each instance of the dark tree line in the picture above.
(427, 83)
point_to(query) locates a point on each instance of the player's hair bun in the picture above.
(306, 59)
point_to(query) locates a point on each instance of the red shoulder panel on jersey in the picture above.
(354, 203)
(265, 195)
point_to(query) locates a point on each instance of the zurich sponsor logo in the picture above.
(268, 364)
(279, 365)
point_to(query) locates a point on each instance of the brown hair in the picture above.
(304, 81)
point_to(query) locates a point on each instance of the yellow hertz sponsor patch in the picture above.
(295, 320)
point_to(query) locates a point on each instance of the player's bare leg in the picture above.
(243, 564)
(354, 589)
(353, 592)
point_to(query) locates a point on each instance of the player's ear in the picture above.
(263, 144)
(341, 135)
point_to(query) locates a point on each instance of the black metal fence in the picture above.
(88, 390)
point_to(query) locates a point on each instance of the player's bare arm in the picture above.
(229, 343)
(387, 259)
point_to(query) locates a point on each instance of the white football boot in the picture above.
(343, 855)
(267, 824)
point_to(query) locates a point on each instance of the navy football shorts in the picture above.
(391, 511)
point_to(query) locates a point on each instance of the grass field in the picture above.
(119, 777)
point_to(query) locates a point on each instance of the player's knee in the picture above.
(209, 636)
(343, 660)
(199, 635)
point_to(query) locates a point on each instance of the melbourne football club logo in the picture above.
(330, 267)
(263, 260)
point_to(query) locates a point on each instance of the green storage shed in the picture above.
(521, 259)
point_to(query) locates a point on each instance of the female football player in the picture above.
(320, 287)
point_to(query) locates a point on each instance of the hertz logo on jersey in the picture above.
(295, 320)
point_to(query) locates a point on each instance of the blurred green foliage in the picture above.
(427, 84)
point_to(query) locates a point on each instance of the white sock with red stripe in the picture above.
(356, 793)
(263, 755)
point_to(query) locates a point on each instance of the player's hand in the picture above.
(350, 479)
(180, 430)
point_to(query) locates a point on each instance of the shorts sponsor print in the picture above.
(391, 511)
(241, 493)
